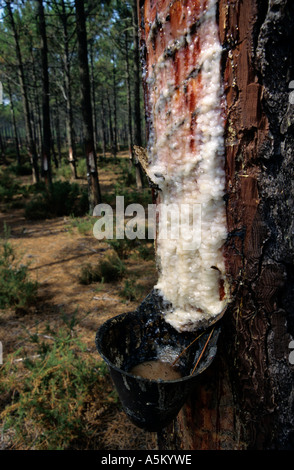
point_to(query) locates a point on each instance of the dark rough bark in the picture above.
(91, 158)
(245, 399)
(115, 146)
(103, 125)
(131, 141)
(67, 81)
(46, 145)
(136, 76)
(129, 104)
(257, 69)
(2, 149)
(29, 133)
(14, 123)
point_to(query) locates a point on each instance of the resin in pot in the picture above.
(156, 370)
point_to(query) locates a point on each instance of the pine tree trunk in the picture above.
(67, 82)
(136, 78)
(14, 123)
(129, 103)
(130, 118)
(93, 181)
(3, 158)
(46, 147)
(245, 399)
(29, 133)
(110, 122)
(103, 125)
(36, 119)
(114, 151)
(93, 95)
(57, 129)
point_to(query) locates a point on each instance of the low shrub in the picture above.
(65, 198)
(49, 393)
(8, 187)
(131, 291)
(64, 170)
(122, 247)
(89, 274)
(82, 168)
(110, 269)
(24, 169)
(82, 224)
(17, 290)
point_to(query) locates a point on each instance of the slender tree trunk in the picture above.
(130, 123)
(36, 118)
(114, 111)
(14, 123)
(46, 148)
(57, 129)
(129, 102)
(110, 122)
(93, 95)
(2, 149)
(93, 181)
(103, 126)
(67, 81)
(29, 134)
(245, 399)
(136, 78)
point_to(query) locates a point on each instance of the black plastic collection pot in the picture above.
(143, 335)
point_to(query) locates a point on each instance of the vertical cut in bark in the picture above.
(183, 94)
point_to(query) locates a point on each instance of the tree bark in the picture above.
(129, 102)
(36, 119)
(103, 125)
(46, 144)
(130, 118)
(29, 134)
(2, 149)
(110, 121)
(136, 77)
(114, 91)
(245, 399)
(56, 123)
(67, 81)
(91, 159)
(93, 95)
(14, 123)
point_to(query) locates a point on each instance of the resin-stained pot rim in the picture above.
(202, 366)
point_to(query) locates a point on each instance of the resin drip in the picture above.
(186, 155)
(156, 370)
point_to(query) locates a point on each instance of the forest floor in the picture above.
(55, 251)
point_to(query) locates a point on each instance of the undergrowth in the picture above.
(48, 393)
(65, 198)
(110, 269)
(16, 289)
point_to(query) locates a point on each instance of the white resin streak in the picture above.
(187, 280)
